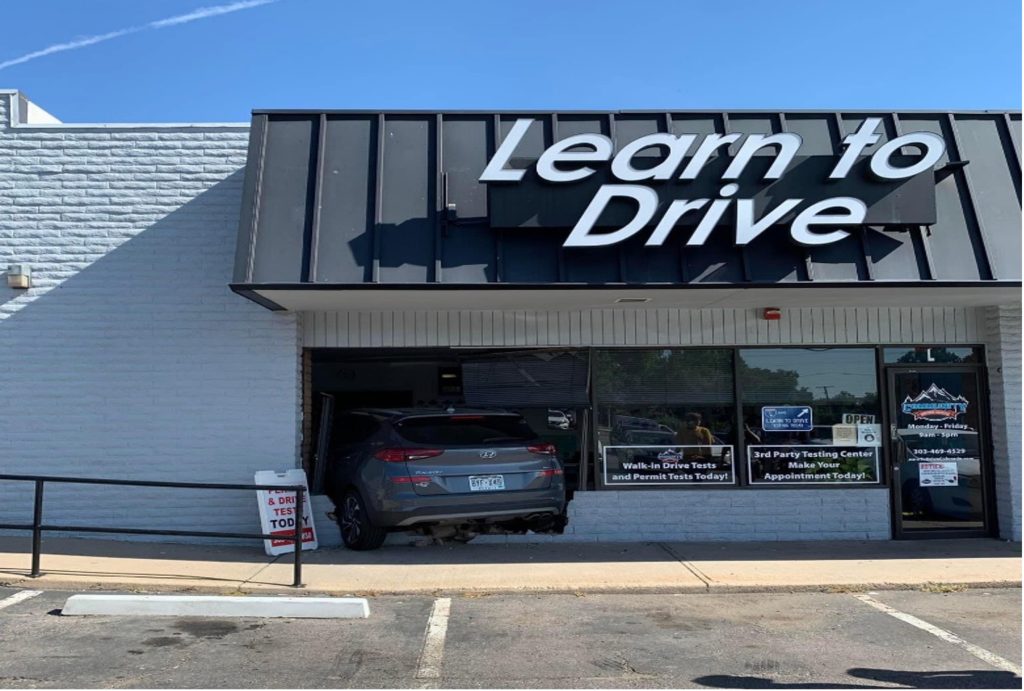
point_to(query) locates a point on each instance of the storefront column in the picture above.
(1003, 329)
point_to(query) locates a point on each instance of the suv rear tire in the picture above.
(357, 532)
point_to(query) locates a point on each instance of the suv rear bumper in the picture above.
(397, 513)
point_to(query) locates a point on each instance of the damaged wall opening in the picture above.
(549, 388)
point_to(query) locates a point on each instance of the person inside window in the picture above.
(693, 434)
(751, 434)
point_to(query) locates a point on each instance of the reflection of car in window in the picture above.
(624, 422)
(640, 437)
(962, 502)
(557, 419)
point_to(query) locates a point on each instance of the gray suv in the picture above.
(444, 473)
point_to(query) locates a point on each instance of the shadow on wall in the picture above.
(143, 364)
(468, 255)
(160, 252)
(531, 254)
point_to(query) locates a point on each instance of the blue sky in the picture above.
(520, 54)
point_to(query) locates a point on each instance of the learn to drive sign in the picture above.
(750, 181)
(786, 418)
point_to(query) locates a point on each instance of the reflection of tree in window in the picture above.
(934, 355)
(644, 396)
(832, 381)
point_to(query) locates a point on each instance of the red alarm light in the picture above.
(772, 313)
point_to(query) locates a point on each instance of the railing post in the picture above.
(299, 514)
(37, 533)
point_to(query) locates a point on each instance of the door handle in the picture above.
(899, 447)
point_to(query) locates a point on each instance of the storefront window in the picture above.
(810, 415)
(924, 355)
(665, 417)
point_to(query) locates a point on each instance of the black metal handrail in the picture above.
(37, 526)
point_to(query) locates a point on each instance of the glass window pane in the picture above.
(923, 354)
(811, 415)
(663, 376)
(665, 417)
(547, 377)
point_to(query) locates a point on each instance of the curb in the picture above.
(249, 591)
(216, 606)
(679, 590)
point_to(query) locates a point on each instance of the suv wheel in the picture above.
(356, 530)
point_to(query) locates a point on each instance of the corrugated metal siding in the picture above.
(632, 327)
(358, 197)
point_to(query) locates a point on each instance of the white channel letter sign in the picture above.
(819, 223)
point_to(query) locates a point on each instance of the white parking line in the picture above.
(19, 596)
(980, 653)
(429, 666)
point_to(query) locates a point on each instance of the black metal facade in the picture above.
(346, 198)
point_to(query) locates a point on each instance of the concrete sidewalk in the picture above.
(492, 568)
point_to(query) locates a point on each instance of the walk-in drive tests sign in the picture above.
(668, 465)
(786, 418)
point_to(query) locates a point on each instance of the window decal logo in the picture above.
(670, 456)
(935, 403)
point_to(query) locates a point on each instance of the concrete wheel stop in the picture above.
(217, 606)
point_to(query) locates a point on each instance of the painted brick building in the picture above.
(135, 355)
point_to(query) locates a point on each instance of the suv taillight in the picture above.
(405, 455)
(411, 479)
(547, 448)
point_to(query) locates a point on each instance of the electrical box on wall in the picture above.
(19, 276)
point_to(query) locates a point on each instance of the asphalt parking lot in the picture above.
(741, 640)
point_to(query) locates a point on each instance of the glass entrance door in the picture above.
(938, 451)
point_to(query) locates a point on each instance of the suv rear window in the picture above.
(465, 430)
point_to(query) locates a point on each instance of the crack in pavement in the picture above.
(701, 576)
(258, 571)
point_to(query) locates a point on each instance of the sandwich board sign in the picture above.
(277, 511)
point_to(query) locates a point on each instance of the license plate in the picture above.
(486, 483)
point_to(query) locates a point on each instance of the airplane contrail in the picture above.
(195, 15)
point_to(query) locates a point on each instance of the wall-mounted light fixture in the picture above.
(19, 276)
(772, 314)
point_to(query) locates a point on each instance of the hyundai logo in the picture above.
(488, 454)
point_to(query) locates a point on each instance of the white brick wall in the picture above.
(1004, 371)
(130, 357)
(724, 515)
(779, 514)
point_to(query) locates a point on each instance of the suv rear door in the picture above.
(476, 453)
